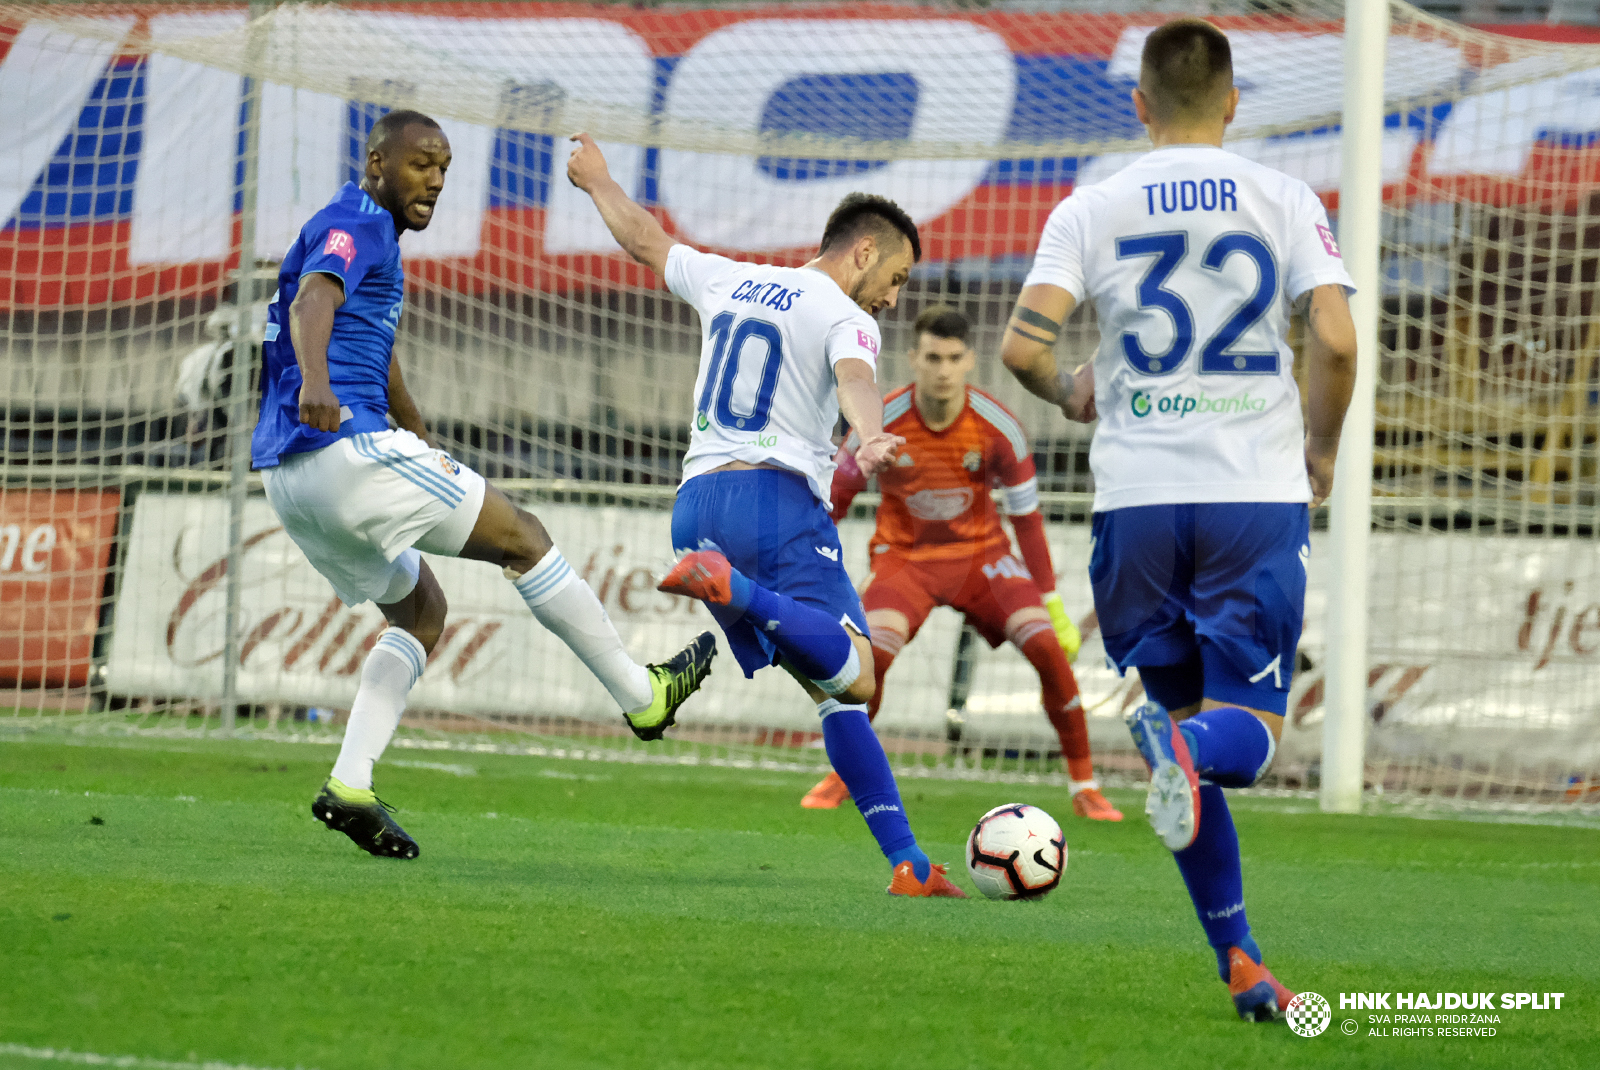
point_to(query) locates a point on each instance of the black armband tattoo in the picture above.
(1030, 336)
(1039, 320)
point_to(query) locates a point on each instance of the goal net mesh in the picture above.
(160, 158)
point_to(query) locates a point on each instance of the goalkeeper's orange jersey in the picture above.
(936, 501)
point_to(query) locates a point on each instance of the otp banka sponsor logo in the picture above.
(1144, 403)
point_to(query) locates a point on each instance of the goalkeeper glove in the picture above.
(1066, 631)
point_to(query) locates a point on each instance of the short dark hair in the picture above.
(391, 123)
(1186, 69)
(942, 321)
(860, 214)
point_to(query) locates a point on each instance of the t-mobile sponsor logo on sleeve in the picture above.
(867, 342)
(342, 245)
(1327, 241)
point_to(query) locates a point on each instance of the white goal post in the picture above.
(166, 153)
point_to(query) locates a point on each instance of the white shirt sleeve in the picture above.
(1314, 258)
(1059, 261)
(854, 336)
(690, 273)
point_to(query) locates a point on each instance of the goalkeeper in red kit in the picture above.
(939, 541)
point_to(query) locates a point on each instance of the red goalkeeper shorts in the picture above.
(987, 588)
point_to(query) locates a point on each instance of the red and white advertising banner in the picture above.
(54, 549)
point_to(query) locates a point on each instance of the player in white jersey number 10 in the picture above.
(1193, 258)
(783, 351)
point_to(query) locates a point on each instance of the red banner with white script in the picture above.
(54, 549)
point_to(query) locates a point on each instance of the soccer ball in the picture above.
(1016, 851)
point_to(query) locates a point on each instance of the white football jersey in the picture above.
(1192, 257)
(765, 393)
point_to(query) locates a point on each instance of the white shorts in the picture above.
(358, 507)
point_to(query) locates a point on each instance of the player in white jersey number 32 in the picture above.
(1193, 258)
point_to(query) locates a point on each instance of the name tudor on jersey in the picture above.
(1208, 195)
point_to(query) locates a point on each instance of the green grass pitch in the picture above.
(581, 914)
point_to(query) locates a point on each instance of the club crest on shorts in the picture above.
(448, 463)
(972, 461)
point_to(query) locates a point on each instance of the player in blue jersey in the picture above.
(1203, 462)
(361, 499)
(784, 351)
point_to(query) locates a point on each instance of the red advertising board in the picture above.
(54, 549)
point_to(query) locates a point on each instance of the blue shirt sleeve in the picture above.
(347, 251)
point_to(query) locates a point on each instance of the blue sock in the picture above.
(1210, 868)
(858, 758)
(810, 639)
(1230, 746)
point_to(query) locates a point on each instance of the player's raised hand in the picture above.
(1077, 395)
(1320, 457)
(878, 452)
(319, 407)
(587, 165)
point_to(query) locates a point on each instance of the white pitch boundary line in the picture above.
(128, 1062)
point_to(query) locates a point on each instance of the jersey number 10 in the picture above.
(1169, 250)
(728, 344)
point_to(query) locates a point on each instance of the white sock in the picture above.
(388, 675)
(1075, 786)
(566, 605)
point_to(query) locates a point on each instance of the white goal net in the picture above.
(160, 157)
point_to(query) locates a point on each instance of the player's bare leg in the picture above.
(347, 802)
(1032, 632)
(563, 602)
(889, 629)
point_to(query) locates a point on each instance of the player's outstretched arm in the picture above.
(1029, 349)
(1330, 380)
(402, 408)
(310, 327)
(636, 230)
(862, 406)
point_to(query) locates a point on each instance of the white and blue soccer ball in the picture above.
(1016, 851)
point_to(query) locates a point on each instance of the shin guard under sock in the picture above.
(858, 758)
(1210, 868)
(1059, 694)
(387, 677)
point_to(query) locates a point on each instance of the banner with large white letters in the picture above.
(983, 121)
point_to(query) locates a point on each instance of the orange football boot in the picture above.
(1257, 995)
(703, 574)
(1091, 804)
(827, 795)
(936, 886)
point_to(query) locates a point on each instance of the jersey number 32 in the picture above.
(1169, 250)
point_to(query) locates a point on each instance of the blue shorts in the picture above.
(1206, 601)
(771, 528)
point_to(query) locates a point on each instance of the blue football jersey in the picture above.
(353, 240)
